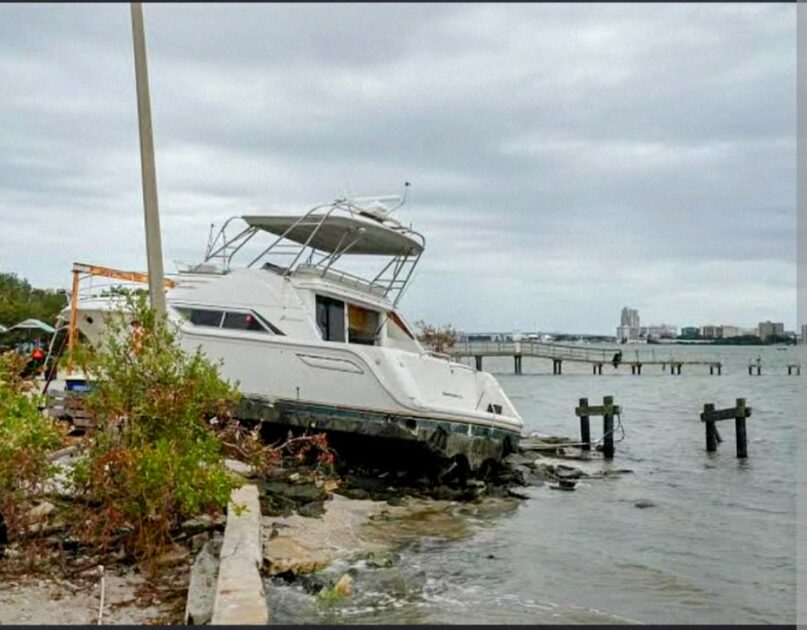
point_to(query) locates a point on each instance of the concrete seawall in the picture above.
(240, 598)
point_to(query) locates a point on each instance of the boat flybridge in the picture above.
(323, 348)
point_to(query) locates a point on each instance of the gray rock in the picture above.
(567, 472)
(518, 459)
(544, 471)
(202, 587)
(314, 509)
(41, 511)
(239, 468)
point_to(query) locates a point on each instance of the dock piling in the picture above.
(739, 420)
(517, 363)
(585, 428)
(478, 359)
(711, 429)
(739, 412)
(608, 427)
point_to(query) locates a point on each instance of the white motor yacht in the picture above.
(316, 347)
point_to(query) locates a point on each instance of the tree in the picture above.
(19, 300)
(439, 338)
(154, 459)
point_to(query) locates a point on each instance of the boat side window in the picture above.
(202, 317)
(362, 325)
(227, 319)
(331, 318)
(397, 329)
(242, 321)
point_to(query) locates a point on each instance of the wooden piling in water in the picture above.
(711, 429)
(517, 363)
(478, 359)
(739, 412)
(608, 427)
(607, 410)
(739, 420)
(585, 428)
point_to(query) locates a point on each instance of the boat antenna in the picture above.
(403, 198)
(210, 240)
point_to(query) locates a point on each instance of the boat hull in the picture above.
(388, 436)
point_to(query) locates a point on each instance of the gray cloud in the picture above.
(562, 156)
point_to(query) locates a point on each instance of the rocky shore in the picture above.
(313, 520)
(364, 516)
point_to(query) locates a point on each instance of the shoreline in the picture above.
(311, 522)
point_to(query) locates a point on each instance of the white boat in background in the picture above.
(316, 347)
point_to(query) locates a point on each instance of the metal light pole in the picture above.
(152, 213)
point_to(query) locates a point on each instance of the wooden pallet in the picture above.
(69, 406)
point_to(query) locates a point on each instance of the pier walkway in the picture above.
(558, 353)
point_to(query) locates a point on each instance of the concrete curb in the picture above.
(240, 598)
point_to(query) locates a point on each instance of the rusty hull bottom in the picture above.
(394, 439)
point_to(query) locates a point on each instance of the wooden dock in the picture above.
(558, 353)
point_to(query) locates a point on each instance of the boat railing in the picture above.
(390, 282)
(343, 277)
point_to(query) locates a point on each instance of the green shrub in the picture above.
(26, 439)
(153, 460)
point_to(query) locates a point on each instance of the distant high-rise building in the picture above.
(765, 330)
(628, 328)
(710, 332)
(662, 331)
(804, 333)
(690, 332)
(630, 317)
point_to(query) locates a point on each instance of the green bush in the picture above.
(153, 460)
(26, 439)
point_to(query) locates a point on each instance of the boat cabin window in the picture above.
(204, 317)
(396, 329)
(331, 318)
(228, 319)
(241, 321)
(362, 325)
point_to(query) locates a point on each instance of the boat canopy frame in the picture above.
(316, 240)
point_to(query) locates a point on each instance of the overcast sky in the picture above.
(565, 160)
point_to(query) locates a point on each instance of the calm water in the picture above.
(718, 547)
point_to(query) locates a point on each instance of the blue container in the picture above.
(76, 385)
